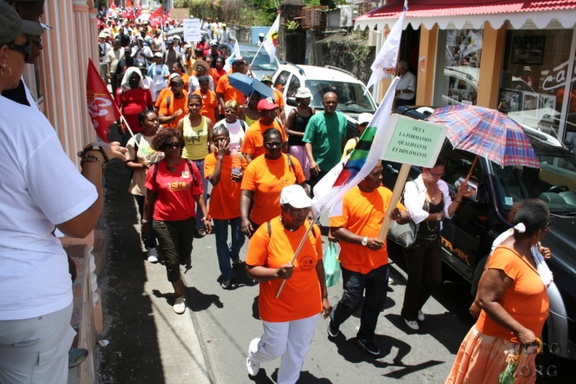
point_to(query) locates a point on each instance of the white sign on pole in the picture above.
(415, 142)
(192, 30)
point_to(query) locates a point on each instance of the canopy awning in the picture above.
(455, 14)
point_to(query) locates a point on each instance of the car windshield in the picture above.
(262, 61)
(352, 97)
(554, 182)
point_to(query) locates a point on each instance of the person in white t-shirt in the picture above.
(236, 127)
(42, 191)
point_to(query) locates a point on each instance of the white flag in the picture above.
(271, 40)
(388, 55)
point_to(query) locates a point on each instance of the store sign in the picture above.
(557, 77)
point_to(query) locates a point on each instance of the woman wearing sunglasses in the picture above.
(41, 191)
(428, 201)
(173, 190)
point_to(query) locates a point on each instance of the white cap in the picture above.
(296, 196)
(365, 118)
(158, 54)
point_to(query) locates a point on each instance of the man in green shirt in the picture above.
(324, 138)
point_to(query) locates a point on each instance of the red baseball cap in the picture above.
(267, 104)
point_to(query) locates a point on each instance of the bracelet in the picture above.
(91, 159)
(206, 219)
(438, 217)
(219, 157)
(144, 221)
(94, 148)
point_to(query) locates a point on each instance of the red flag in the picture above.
(102, 109)
(157, 17)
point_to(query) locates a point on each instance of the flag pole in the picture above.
(296, 254)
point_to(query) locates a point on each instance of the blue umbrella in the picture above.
(247, 85)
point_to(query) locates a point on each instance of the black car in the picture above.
(467, 238)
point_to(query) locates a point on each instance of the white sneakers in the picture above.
(180, 305)
(152, 255)
(252, 366)
(421, 316)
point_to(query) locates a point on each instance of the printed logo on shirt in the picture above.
(179, 186)
(185, 174)
(307, 262)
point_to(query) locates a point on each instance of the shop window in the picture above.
(535, 79)
(459, 82)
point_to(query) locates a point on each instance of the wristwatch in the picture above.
(94, 148)
(144, 221)
(364, 241)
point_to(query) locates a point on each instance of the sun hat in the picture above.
(12, 25)
(266, 79)
(158, 54)
(303, 93)
(213, 43)
(365, 118)
(266, 104)
(102, 35)
(176, 37)
(201, 63)
(295, 196)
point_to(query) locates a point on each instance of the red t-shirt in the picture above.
(131, 103)
(175, 191)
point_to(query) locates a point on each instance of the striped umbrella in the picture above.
(487, 133)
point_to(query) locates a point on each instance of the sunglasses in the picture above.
(26, 49)
(176, 85)
(173, 145)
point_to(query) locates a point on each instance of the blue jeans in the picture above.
(150, 237)
(225, 253)
(375, 283)
(199, 214)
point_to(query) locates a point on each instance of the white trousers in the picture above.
(290, 340)
(35, 351)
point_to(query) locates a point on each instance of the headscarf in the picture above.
(125, 84)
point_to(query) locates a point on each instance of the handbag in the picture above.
(331, 264)
(403, 234)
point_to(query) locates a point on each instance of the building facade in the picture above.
(516, 56)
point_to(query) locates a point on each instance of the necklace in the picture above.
(172, 168)
(287, 227)
(432, 229)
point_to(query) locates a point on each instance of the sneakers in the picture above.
(412, 324)
(421, 316)
(236, 261)
(152, 255)
(368, 345)
(333, 329)
(76, 356)
(252, 366)
(180, 305)
(201, 232)
(226, 284)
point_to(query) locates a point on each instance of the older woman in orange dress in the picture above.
(512, 296)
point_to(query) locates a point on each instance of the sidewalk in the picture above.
(148, 342)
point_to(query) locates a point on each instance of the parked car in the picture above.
(353, 97)
(467, 238)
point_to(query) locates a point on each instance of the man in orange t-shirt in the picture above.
(209, 99)
(224, 170)
(174, 106)
(290, 319)
(278, 98)
(363, 256)
(253, 144)
(225, 91)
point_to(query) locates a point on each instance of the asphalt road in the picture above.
(149, 343)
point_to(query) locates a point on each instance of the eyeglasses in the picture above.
(176, 85)
(274, 144)
(26, 49)
(230, 111)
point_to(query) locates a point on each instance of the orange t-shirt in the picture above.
(229, 92)
(253, 143)
(266, 177)
(363, 214)
(301, 296)
(209, 103)
(225, 196)
(163, 93)
(525, 299)
(278, 98)
(175, 104)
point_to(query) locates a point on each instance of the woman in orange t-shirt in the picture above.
(224, 169)
(289, 320)
(263, 181)
(512, 296)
